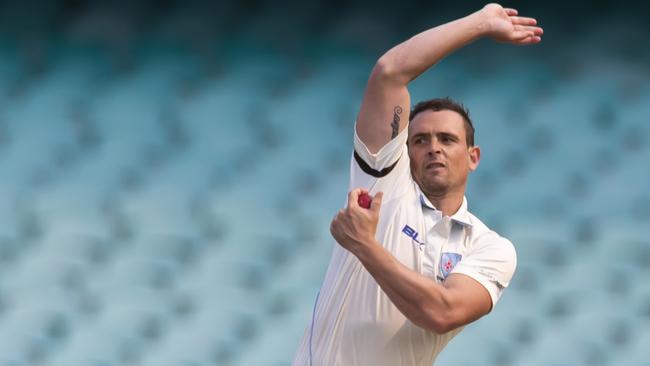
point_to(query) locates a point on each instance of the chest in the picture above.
(425, 241)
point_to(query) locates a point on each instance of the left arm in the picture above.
(459, 300)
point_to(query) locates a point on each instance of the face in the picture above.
(440, 157)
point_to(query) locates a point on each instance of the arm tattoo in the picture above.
(395, 124)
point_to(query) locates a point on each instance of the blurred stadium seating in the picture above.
(167, 182)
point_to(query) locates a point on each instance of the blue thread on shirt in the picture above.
(311, 331)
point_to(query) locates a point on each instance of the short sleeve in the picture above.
(492, 262)
(383, 170)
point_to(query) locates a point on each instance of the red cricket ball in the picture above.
(364, 200)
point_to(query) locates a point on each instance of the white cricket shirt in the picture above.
(354, 323)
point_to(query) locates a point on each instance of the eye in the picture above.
(447, 139)
(418, 140)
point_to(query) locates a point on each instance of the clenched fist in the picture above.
(355, 226)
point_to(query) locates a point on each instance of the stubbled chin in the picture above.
(436, 174)
(434, 183)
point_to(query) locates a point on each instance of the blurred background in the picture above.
(168, 172)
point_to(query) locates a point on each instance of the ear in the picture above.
(474, 157)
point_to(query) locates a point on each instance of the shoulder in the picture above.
(382, 162)
(401, 197)
(484, 238)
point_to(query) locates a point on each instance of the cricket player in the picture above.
(416, 266)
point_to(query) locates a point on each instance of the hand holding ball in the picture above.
(364, 200)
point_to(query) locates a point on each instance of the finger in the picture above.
(375, 205)
(523, 20)
(537, 31)
(511, 11)
(353, 197)
(520, 35)
(338, 215)
(529, 41)
(337, 219)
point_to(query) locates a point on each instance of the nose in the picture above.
(434, 147)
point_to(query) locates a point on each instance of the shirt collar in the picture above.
(461, 216)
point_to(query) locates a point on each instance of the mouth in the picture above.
(434, 165)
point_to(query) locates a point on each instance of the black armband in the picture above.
(370, 171)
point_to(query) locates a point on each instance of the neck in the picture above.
(447, 202)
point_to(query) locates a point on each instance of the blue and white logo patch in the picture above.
(411, 233)
(448, 262)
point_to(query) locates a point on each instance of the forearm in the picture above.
(411, 58)
(436, 307)
(420, 299)
(385, 108)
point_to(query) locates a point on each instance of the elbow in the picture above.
(441, 325)
(387, 69)
(438, 321)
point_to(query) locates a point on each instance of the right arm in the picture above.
(386, 104)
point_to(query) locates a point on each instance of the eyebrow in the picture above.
(442, 134)
(450, 135)
(419, 134)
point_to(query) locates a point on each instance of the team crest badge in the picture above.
(448, 262)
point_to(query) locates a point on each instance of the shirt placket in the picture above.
(437, 235)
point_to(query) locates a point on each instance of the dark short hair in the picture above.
(439, 104)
